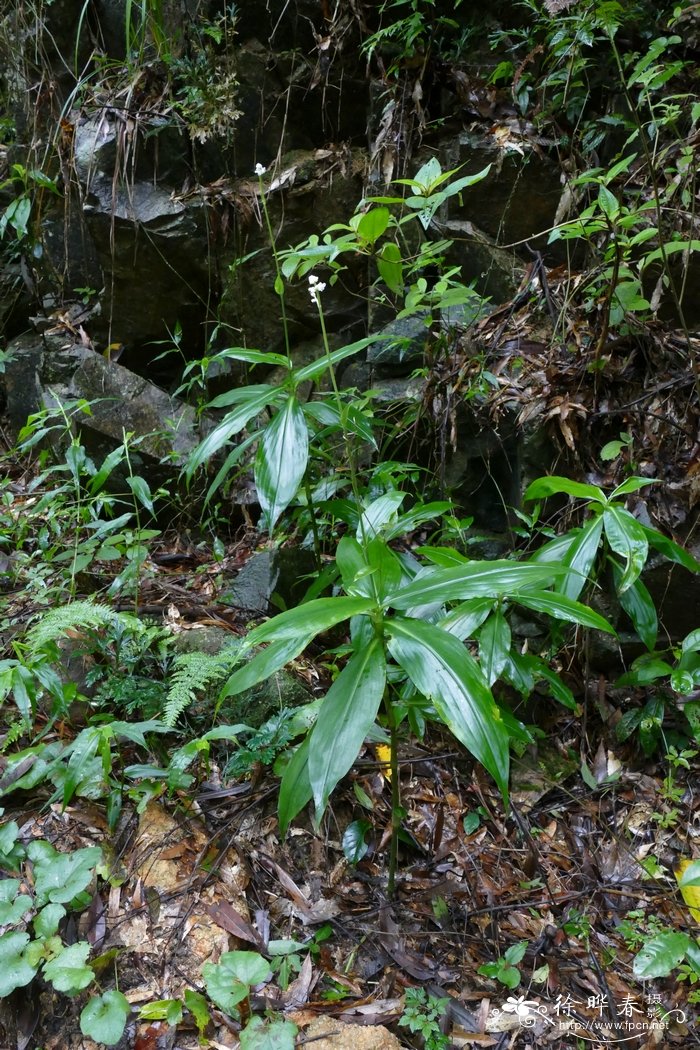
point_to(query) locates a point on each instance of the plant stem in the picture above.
(314, 526)
(279, 281)
(395, 792)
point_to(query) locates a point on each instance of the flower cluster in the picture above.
(316, 286)
(259, 170)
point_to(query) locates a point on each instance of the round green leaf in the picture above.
(15, 971)
(67, 971)
(104, 1017)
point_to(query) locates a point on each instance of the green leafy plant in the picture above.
(31, 942)
(505, 969)
(28, 184)
(669, 674)
(627, 545)
(422, 1014)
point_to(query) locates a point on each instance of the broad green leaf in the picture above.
(233, 422)
(260, 1034)
(670, 550)
(229, 981)
(579, 558)
(379, 512)
(690, 644)
(608, 203)
(15, 971)
(494, 646)
(295, 789)
(346, 715)
(375, 572)
(8, 836)
(443, 671)
(264, 664)
(644, 670)
(670, 248)
(639, 606)
(475, 580)
(690, 875)
(309, 619)
(59, 877)
(104, 1017)
(390, 266)
(628, 539)
(563, 608)
(13, 904)
(660, 955)
(68, 971)
(373, 224)
(466, 618)
(555, 551)
(553, 485)
(169, 1010)
(281, 461)
(139, 487)
(46, 921)
(354, 845)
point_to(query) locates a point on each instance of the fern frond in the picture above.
(192, 673)
(65, 618)
(14, 731)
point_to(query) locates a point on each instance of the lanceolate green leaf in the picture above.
(474, 580)
(467, 617)
(265, 663)
(494, 646)
(442, 670)
(255, 357)
(550, 486)
(580, 558)
(671, 550)
(231, 424)
(295, 787)
(639, 606)
(309, 619)
(318, 367)
(379, 512)
(563, 608)
(347, 714)
(281, 461)
(628, 539)
(374, 572)
(631, 485)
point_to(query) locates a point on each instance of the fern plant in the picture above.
(192, 674)
(75, 616)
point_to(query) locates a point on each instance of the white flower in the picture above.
(259, 170)
(315, 287)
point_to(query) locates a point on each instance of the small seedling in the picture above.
(422, 1013)
(505, 970)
